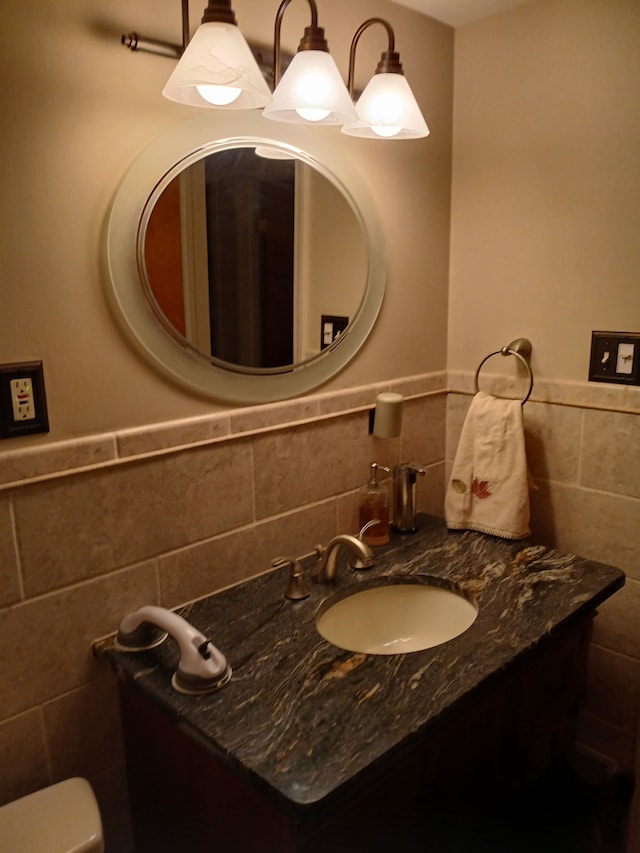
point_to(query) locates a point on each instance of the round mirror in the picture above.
(247, 268)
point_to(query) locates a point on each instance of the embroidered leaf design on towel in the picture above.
(458, 486)
(480, 488)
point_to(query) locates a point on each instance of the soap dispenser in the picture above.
(374, 505)
(404, 496)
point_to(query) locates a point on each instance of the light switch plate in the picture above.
(615, 357)
(331, 327)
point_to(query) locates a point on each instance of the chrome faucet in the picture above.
(325, 571)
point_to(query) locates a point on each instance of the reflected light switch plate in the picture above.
(332, 326)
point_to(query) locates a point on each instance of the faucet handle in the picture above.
(296, 588)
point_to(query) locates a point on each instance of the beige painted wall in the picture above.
(79, 108)
(545, 224)
(546, 182)
(542, 195)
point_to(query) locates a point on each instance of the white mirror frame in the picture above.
(125, 292)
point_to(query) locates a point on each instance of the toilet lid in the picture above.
(63, 818)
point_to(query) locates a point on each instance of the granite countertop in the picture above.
(303, 720)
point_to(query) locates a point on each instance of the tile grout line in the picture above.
(16, 548)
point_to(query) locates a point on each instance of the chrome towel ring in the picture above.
(521, 348)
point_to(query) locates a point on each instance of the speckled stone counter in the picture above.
(302, 720)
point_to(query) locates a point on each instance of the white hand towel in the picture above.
(488, 490)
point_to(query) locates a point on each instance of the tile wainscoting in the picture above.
(93, 528)
(583, 450)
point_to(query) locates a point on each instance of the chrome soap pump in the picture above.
(404, 496)
(374, 506)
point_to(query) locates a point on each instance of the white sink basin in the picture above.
(396, 618)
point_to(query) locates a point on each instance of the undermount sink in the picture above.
(396, 617)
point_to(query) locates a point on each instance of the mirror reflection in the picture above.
(252, 258)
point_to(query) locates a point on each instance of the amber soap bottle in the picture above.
(374, 506)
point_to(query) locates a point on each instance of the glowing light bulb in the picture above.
(219, 96)
(385, 110)
(312, 90)
(311, 114)
(386, 130)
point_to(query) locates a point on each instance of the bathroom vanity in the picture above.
(310, 747)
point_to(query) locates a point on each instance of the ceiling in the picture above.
(457, 12)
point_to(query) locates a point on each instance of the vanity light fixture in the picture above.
(217, 68)
(311, 89)
(387, 107)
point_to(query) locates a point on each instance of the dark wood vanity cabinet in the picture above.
(185, 797)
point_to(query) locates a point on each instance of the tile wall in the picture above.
(93, 529)
(582, 443)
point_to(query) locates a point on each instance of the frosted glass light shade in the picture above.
(387, 109)
(218, 56)
(311, 90)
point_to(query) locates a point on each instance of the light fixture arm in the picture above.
(137, 42)
(313, 38)
(389, 61)
(186, 35)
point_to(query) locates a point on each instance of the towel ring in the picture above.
(521, 348)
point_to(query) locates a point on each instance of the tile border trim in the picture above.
(51, 460)
(584, 395)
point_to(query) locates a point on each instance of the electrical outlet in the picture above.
(23, 402)
(615, 357)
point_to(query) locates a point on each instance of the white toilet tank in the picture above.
(63, 818)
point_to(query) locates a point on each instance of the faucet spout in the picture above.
(325, 571)
(202, 666)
